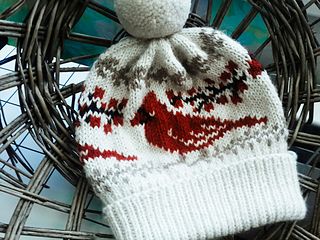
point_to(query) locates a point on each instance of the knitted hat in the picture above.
(182, 134)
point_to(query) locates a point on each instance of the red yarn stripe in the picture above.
(88, 151)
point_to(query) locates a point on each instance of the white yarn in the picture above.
(152, 191)
(152, 18)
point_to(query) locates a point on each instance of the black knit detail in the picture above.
(214, 92)
(109, 113)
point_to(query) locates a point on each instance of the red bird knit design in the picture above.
(189, 118)
(183, 133)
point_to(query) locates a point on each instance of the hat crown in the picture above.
(149, 19)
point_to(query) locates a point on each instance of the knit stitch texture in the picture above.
(152, 18)
(184, 137)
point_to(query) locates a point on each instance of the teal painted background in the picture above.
(94, 24)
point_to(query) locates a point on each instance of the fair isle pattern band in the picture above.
(152, 112)
(178, 131)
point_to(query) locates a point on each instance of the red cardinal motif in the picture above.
(183, 133)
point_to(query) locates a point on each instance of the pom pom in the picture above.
(149, 19)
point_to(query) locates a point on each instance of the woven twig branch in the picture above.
(47, 116)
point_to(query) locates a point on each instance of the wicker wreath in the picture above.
(48, 110)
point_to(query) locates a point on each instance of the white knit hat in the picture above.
(182, 134)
